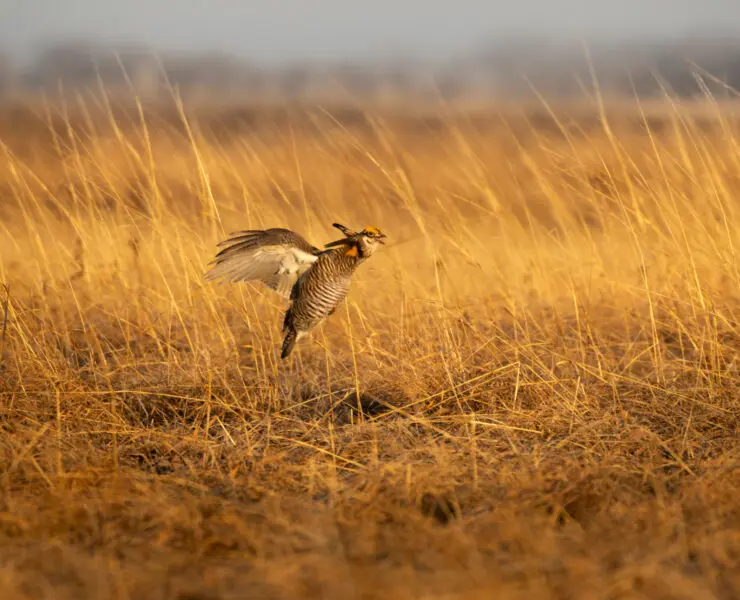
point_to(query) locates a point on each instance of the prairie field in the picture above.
(532, 391)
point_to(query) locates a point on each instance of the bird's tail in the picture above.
(289, 341)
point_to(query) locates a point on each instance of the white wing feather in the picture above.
(277, 266)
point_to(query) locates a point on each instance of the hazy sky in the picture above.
(269, 30)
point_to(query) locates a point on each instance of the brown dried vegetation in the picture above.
(532, 392)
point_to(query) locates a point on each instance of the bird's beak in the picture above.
(381, 237)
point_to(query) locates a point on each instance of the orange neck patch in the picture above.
(352, 252)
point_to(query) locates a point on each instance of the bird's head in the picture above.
(366, 241)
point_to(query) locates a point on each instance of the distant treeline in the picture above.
(686, 67)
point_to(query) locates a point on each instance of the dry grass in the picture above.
(545, 355)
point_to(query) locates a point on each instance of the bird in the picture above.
(314, 280)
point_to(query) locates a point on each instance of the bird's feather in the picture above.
(276, 257)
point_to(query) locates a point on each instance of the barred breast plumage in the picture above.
(318, 280)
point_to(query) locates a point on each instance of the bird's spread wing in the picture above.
(276, 257)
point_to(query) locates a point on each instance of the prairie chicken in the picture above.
(314, 280)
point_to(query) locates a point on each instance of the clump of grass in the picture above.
(531, 390)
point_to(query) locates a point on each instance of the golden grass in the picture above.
(532, 391)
